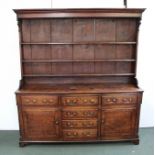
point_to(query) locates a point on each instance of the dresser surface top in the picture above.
(77, 88)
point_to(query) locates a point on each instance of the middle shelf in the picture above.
(63, 61)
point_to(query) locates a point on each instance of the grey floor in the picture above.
(9, 146)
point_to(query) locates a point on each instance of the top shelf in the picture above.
(77, 43)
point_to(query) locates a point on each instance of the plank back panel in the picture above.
(91, 46)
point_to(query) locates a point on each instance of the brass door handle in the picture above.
(57, 122)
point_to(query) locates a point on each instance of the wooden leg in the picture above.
(22, 144)
(136, 142)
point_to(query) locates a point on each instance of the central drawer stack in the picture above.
(80, 117)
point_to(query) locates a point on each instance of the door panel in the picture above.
(118, 123)
(41, 123)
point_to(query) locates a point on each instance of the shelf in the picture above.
(76, 75)
(78, 43)
(67, 61)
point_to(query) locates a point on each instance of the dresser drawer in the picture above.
(79, 113)
(39, 100)
(119, 99)
(80, 134)
(80, 100)
(79, 124)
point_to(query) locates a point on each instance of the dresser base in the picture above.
(25, 143)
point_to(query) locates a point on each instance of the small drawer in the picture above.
(39, 100)
(112, 99)
(79, 113)
(80, 100)
(80, 134)
(79, 124)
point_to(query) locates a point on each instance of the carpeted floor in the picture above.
(9, 146)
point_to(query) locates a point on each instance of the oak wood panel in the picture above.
(41, 68)
(83, 30)
(61, 68)
(39, 100)
(105, 29)
(26, 31)
(126, 30)
(61, 30)
(80, 134)
(80, 100)
(40, 123)
(40, 52)
(79, 113)
(27, 54)
(105, 52)
(116, 99)
(74, 124)
(61, 52)
(118, 123)
(40, 30)
(83, 52)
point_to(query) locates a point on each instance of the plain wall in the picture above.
(10, 64)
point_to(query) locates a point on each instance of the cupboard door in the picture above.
(118, 123)
(41, 123)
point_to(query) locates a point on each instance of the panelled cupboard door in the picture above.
(118, 123)
(40, 123)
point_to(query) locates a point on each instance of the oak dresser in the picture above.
(78, 75)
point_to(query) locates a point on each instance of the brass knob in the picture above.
(69, 124)
(56, 122)
(34, 101)
(85, 100)
(72, 103)
(50, 100)
(68, 134)
(108, 99)
(27, 100)
(130, 99)
(75, 100)
(67, 100)
(44, 100)
(124, 99)
(75, 133)
(87, 134)
(114, 99)
(68, 113)
(92, 101)
(102, 121)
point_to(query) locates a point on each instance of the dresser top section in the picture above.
(79, 13)
(80, 89)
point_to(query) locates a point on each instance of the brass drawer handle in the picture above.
(130, 99)
(27, 100)
(34, 100)
(44, 100)
(89, 124)
(71, 103)
(57, 122)
(75, 133)
(103, 121)
(86, 134)
(85, 100)
(108, 100)
(114, 99)
(92, 101)
(69, 124)
(68, 134)
(51, 100)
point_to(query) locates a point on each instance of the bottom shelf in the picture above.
(74, 75)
